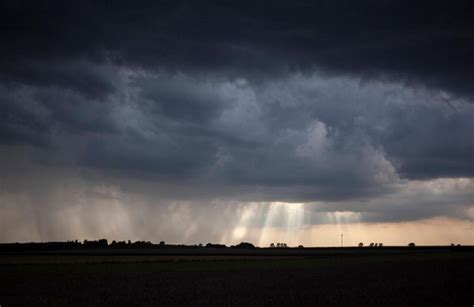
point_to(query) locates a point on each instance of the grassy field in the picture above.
(427, 279)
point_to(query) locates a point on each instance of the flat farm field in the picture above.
(427, 279)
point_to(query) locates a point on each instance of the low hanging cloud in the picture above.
(186, 119)
(427, 42)
(348, 139)
(77, 208)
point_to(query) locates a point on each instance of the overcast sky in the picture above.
(229, 121)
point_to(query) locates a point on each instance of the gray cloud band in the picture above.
(340, 103)
(323, 137)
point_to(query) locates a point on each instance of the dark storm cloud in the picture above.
(15, 126)
(423, 135)
(330, 100)
(447, 149)
(32, 115)
(429, 42)
(74, 74)
(183, 101)
(415, 200)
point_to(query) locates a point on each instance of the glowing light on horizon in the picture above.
(342, 221)
(289, 217)
(265, 223)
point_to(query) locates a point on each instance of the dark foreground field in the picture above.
(426, 279)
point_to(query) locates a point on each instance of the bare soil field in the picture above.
(427, 279)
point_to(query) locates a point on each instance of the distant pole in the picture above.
(342, 240)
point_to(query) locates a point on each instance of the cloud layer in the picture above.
(359, 108)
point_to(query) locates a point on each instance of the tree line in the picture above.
(104, 244)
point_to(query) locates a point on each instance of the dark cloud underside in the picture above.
(326, 100)
(430, 42)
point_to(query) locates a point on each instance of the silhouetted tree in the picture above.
(411, 244)
(272, 245)
(141, 244)
(361, 244)
(244, 245)
(102, 243)
(216, 245)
